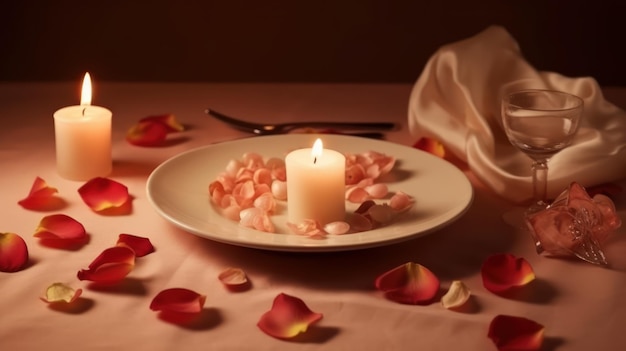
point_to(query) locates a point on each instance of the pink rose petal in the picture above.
(178, 300)
(140, 245)
(505, 272)
(233, 278)
(102, 194)
(510, 333)
(60, 227)
(288, 317)
(40, 197)
(111, 266)
(410, 283)
(13, 252)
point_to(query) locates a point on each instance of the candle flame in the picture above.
(85, 96)
(316, 152)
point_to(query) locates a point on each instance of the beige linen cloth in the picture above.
(456, 100)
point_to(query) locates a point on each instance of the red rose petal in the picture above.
(142, 246)
(111, 266)
(178, 300)
(103, 193)
(505, 272)
(510, 333)
(40, 197)
(168, 120)
(430, 145)
(288, 317)
(60, 226)
(13, 252)
(410, 283)
(147, 134)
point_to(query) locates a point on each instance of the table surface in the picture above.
(582, 306)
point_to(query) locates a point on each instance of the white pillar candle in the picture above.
(83, 138)
(316, 185)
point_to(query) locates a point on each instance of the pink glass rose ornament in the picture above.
(575, 224)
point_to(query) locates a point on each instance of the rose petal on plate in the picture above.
(401, 201)
(457, 295)
(142, 246)
(59, 292)
(169, 120)
(359, 223)
(410, 283)
(147, 134)
(357, 195)
(233, 278)
(111, 266)
(61, 227)
(430, 145)
(103, 193)
(504, 272)
(288, 317)
(337, 228)
(381, 213)
(13, 252)
(40, 197)
(515, 333)
(279, 189)
(178, 300)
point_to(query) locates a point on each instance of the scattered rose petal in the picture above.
(288, 317)
(457, 295)
(410, 283)
(13, 252)
(430, 145)
(147, 134)
(59, 292)
(169, 120)
(233, 278)
(111, 266)
(400, 201)
(510, 333)
(357, 195)
(103, 193)
(337, 228)
(60, 227)
(140, 245)
(504, 272)
(359, 223)
(308, 227)
(40, 197)
(178, 300)
(382, 214)
(153, 130)
(279, 189)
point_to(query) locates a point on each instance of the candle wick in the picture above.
(84, 111)
(315, 160)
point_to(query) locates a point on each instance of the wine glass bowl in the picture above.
(541, 123)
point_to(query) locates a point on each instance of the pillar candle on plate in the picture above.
(83, 138)
(316, 185)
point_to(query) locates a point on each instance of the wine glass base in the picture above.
(536, 207)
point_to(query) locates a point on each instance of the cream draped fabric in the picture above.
(456, 100)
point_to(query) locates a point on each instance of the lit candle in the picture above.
(316, 185)
(83, 138)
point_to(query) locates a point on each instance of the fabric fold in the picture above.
(456, 100)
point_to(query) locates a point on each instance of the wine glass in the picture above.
(541, 123)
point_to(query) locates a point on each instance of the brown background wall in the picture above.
(282, 40)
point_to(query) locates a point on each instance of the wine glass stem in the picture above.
(540, 180)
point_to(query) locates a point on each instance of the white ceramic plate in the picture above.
(178, 190)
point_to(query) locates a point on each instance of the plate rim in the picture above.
(459, 210)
